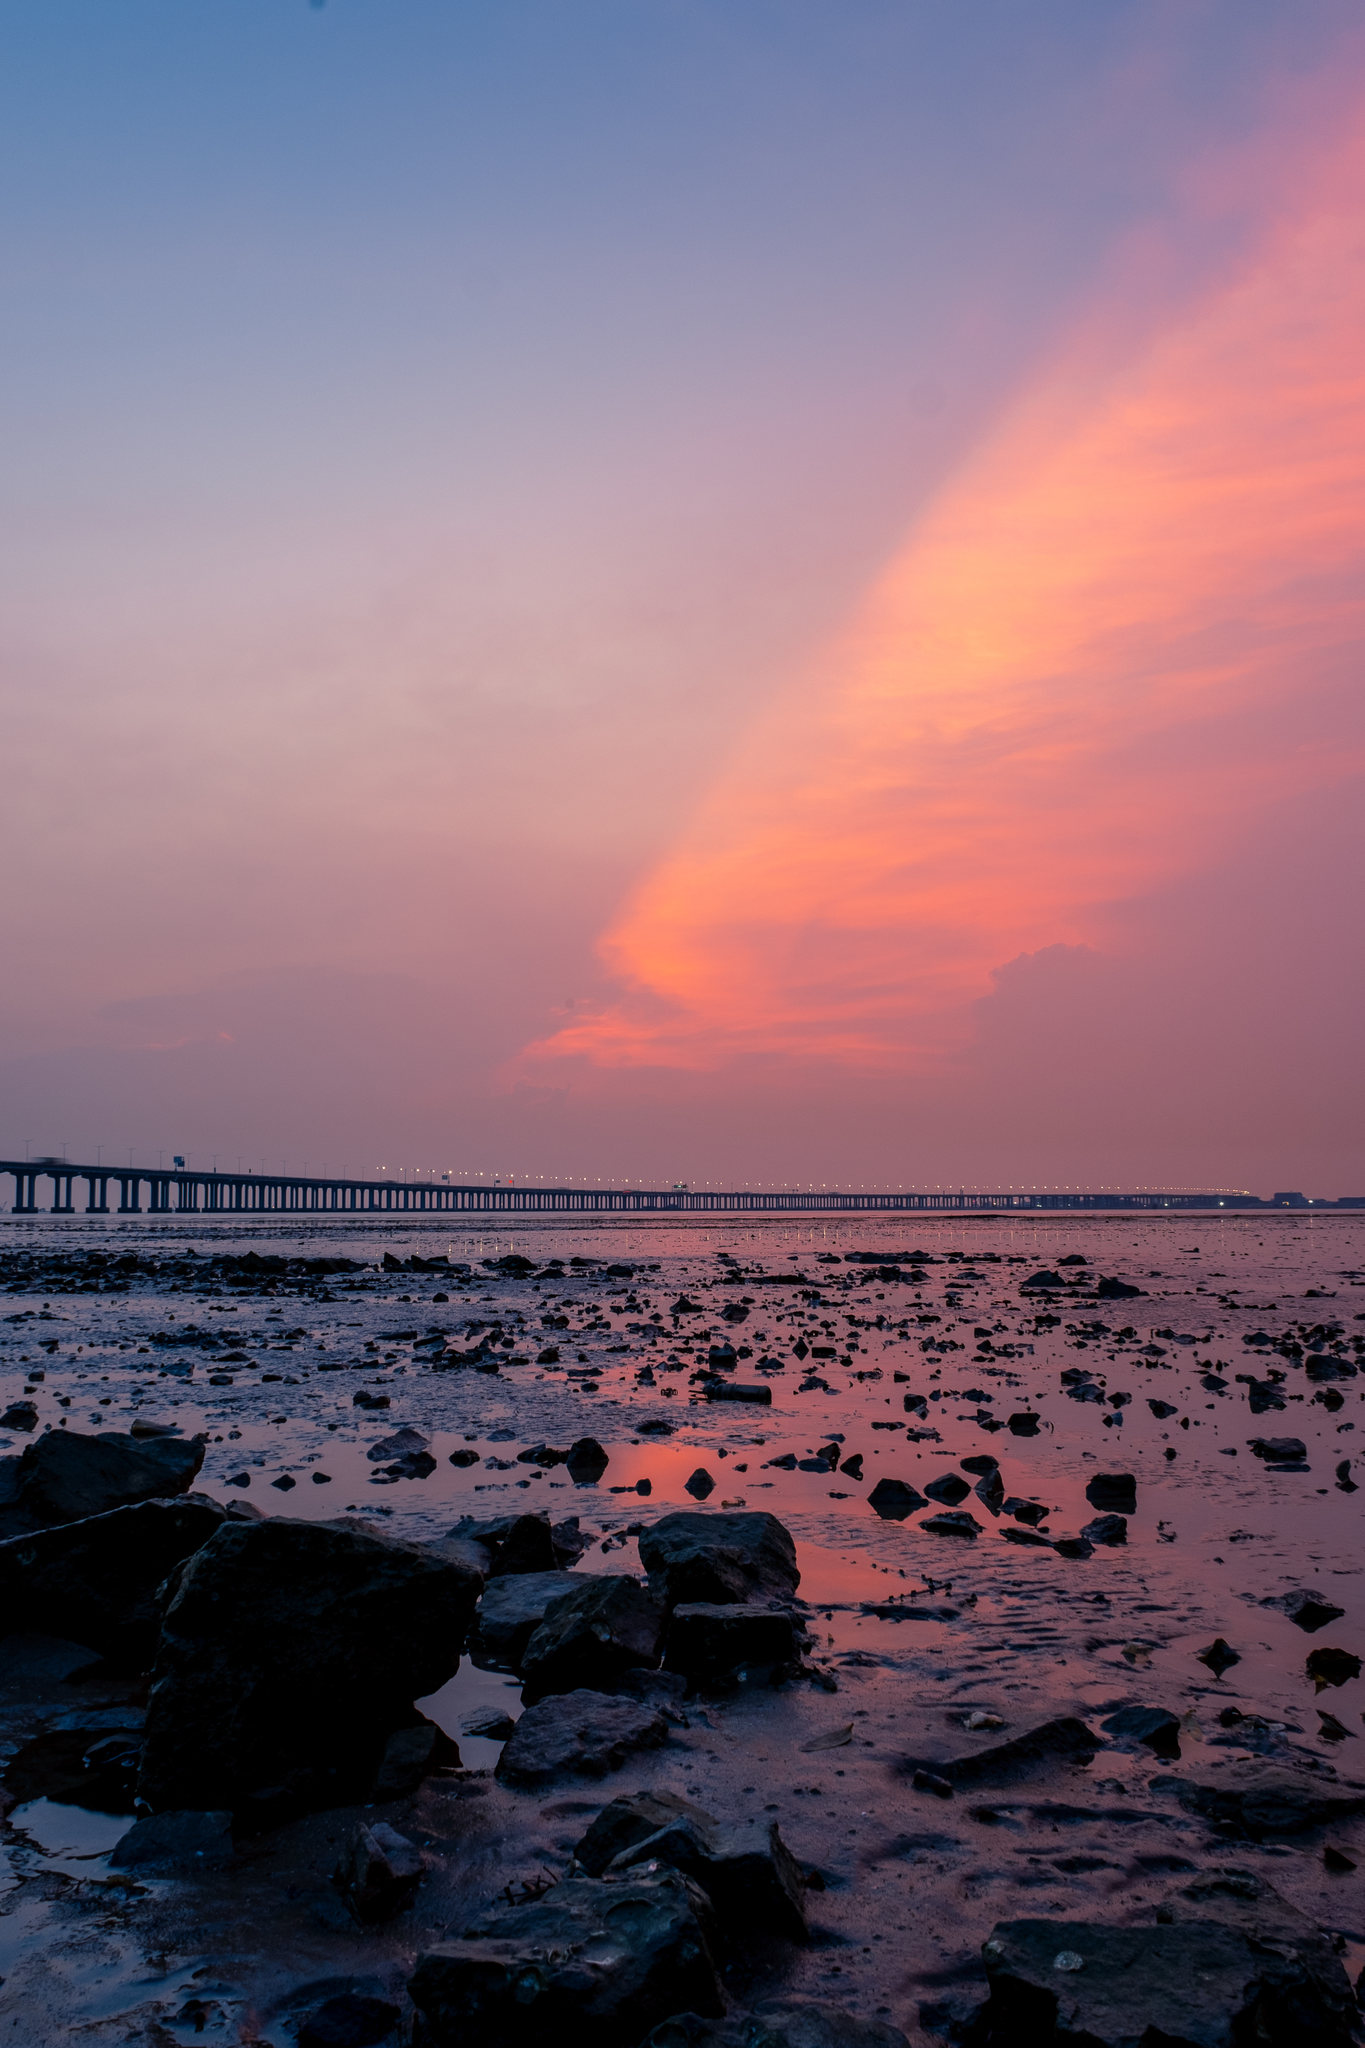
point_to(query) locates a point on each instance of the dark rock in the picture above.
(1074, 1546)
(990, 1491)
(1113, 1493)
(1046, 1278)
(734, 1390)
(1264, 1806)
(491, 1726)
(747, 1871)
(20, 1415)
(1115, 1290)
(894, 1499)
(182, 1842)
(1219, 1657)
(587, 1461)
(701, 1485)
(96, 1581)
(1310, 1611)
(510, 1612)
(1279, 1450)
(1067, 1739)
(585, 1733)
(950, 1489)
(1106, 1529)
(956, 1522)
(94, 1766)
(1029, 1537)
(1023, 1424)
(1321, 1367)
(289, 1653)
(1344, 1481)
(64, 1477)
(789, 2024)
(398, 1445)
(1156, 1728)
(719, 1558)
(410, 1755)
(379, 1873)
(463, 1458)
(512, 1543)
(603, 1627)
(709, 1641)
(981, 1463)
(1161, 1409)
(1332, 1667)
(350, 2020)
(362, 1398)
(592, 1961)
(1190, 1984)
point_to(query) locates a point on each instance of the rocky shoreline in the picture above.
(672, 1647)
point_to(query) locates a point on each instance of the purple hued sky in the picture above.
(744, 592)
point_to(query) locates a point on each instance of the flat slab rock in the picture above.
(1192, 1984)
(512, 1609)
(591, 1961)
(65, 1476)
(578, 1733)
(795, 2023)
(605, 1626)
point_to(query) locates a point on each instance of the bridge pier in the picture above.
(97, 1193)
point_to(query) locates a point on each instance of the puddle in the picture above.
(68, 1837)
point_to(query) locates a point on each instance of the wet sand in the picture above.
(915, 1633)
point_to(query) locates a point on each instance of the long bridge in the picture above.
(182, 1190)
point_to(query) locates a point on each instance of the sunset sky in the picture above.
(721, 592)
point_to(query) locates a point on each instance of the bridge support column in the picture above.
(97, 1191)
(129, 1194)
(25, 1194)
(62, 1204)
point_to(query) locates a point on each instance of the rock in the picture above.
(1279, 1450)
(587, 1461)
(510, 1612)
(1219, 1657)
(379, 1873)
(793, 2023)
(64, 1477)
(747, 1871)
(410, 1755)
(894, 1499)
(1113, 1493)
(350, 2020)
(512, 1543)
(990, 1491)
(20, 1415)
(1190, 1984)
(1066, 1739)
(1116, 1290)
(1105, 1529)
(1023, 1424)
(735, 1390)
(1265, 1805)
(590, 1961)
(719, 1558)
(402, 1440)
(701, 1485)
(182, 1842)
(709, 1641)
(1310, 1611)
(93, 1766)
(981, 1464)
(1044, 1279)
(1074, 1546)
(96, 1581)
(1332, 1667)
(1156, 1728)
(603, 1627)
(1161, 1409)
(1321, 1366)
(585, 1733)
(950, 1489)
(957, 1522)
(362, 1398)
(289, 1653)
(493, 1725)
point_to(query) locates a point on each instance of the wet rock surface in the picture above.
(899, 1787)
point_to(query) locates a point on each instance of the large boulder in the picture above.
(591, 1961)
(721, 1557)
(510, 1612)
(289, 1653)
(65, 1477)
(511, 1543)
(96, 1581)
(710, 1642)
(578, 1733)
(606, 1626)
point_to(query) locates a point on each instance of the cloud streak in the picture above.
(1120, 636)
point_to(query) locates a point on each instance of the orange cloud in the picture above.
(1113, 642)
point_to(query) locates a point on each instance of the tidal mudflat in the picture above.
(1032, 1714)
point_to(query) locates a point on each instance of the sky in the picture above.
(646, 590)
